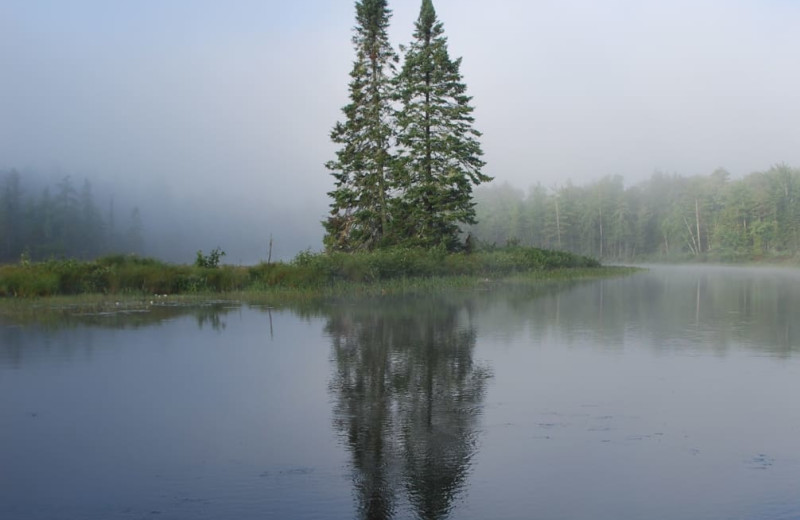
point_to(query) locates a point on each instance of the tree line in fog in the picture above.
(668, 216)
(61, 220)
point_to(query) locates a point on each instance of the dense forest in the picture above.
(668, 216)
(61, 221)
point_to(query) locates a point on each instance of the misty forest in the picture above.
(62, 221)
(668, 217)
(405, 175)
(300, 260)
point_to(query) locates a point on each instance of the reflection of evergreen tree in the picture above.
(408, 395)
(212, 316)
(441, 401)
(364, 413)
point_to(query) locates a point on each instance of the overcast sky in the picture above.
(227, 105)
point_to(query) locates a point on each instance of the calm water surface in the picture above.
(669, 394)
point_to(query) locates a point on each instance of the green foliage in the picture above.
(362, 169)
(210, 261)
(117, 274)
(418, 193)
(439, 154)
(25, 282)
(667, 217)
(319, 269)
(129, 274)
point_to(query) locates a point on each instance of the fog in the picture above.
(214, 117)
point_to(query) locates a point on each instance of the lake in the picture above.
(672, 393)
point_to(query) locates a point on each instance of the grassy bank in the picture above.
(138, 309)
(308, 273)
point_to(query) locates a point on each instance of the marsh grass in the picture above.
(55, 309)
(308, 275)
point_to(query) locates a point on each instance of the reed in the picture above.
(393, 269)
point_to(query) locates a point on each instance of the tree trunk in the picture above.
(693, 243)
(601, 232)
(697, 220)
(558, 225)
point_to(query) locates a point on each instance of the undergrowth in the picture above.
(315, 272)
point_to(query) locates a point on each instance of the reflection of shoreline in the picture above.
(694, 307)
(121, 317)
(408, 397)
(83, 333)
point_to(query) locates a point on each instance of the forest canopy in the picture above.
(668, 216)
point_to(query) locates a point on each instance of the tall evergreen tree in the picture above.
(439, 149)
(360, 217)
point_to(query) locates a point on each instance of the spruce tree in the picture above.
(439, 152)
(360, 214)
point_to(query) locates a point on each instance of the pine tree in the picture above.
(439, 150)
(360, 214)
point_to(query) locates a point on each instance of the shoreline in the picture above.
(280, 297)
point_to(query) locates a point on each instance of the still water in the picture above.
(673, 393)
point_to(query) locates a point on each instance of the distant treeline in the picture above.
(668, 216)
(61, 221)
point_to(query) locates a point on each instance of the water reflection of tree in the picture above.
(707, 308)
(408, 395)
(211, 315)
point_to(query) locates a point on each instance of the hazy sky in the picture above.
(226, 106)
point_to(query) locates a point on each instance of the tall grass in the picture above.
(121, 274)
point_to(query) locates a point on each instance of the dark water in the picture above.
(670, 394)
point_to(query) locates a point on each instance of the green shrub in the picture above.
(27, 282)
(211, 261)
